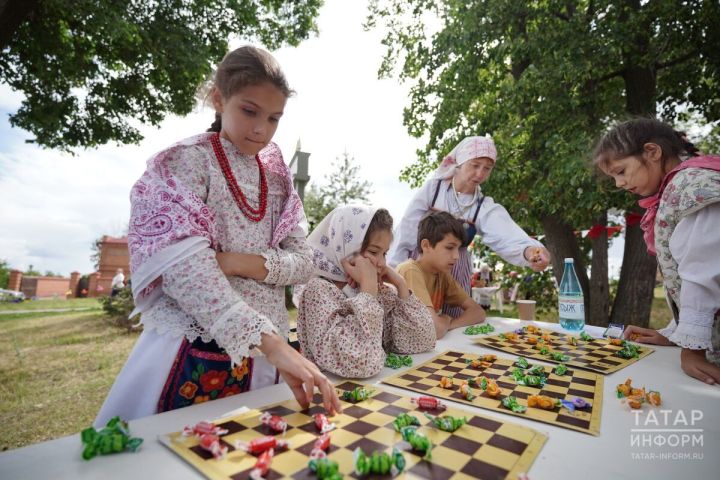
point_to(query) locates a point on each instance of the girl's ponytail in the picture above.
(687, 145)
(217, 124)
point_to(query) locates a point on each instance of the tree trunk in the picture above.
(12, 14)
(637, 281)
(598, 313)
(562, 243)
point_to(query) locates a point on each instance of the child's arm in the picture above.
(409, 327)
(342, 335)
(472, 314)
(290, 264)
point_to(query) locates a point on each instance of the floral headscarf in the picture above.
(467, 149)
(339, 235)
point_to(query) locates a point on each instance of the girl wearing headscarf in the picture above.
(455, 188)
(348, 317)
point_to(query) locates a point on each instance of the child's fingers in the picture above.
(711, 372)
(299, 393)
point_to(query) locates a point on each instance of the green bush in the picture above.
(119, 308)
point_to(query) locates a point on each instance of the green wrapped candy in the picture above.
(405, 420)
(522, 362)
(358, 394)
(511, 403)
(561, 369)
(629, 350)
(538, 370)
(479, 329)
(379, 463)
(325, 469)
(417, 441)
(559, 356)
(584, 336)
(396, 361)
(113, 438)
(447, 423)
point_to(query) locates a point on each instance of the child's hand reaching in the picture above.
(645, 335)
(694, 363)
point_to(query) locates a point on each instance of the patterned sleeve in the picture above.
(409, 326)
(201, 290)
(341, 335)
(291, 264)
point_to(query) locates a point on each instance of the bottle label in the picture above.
(572, 307)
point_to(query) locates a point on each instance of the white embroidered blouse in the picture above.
(198, 299)
(499, 231)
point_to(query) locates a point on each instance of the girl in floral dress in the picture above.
(216, 232)
(682, 190)
(348, 317)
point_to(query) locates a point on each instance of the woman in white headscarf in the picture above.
(455, 188)
(348, 317)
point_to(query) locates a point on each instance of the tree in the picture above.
(545, 79)
(92, 71)
(341, 187)
(31, 272)
(96, 249)
(4, 273)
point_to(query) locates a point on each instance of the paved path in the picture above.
(80, 309)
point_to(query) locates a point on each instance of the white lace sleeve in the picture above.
(291, 264)
(501, 233)
(694, 245)
(202, 291)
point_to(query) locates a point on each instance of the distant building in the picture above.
(299, 170)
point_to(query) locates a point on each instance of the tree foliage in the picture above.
(341, 186)
(92, 71)
(4, 273)
(545, 79)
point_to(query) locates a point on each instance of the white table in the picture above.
(566, 454)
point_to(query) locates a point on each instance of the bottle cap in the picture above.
(569, 260)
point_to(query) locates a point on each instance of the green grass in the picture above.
(47, 304)
(55, 372)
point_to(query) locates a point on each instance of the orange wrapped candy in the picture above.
(532, 329)
(635, 401)
(618, 342)
(446, 382)
(488, 357)
(541, 401)
(624, 389)
(532, 340)
(511, 336)
(653, 398)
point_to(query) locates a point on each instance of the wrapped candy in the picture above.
(479, 329)
(532, 340)
(572, 340)
(618, 342)
(560, 369)
(396, 361)
(262, 466)
(585, 337)
(489, 387)
(509, 336)
(465, 391)
(262, 444)
(512, 404)
(558, 356)
(322, 423)
(202, 428)
(325, 469)
(379, 463)
(321, 446)
(576, 403)
(653, 398)
(275, 423)
(405, 420)
(113, 438)
(417, 441)
(522, 362)
(446, 382)
(211, 443)
(624, 389)
(358, 394)
(532, 329)
(447, 423)
(429, 403)
(543, 401)
(629, 350)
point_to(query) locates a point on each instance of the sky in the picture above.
(54, 205)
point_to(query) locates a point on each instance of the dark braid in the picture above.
(217, 124)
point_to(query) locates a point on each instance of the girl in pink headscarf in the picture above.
(216, 232)
(682, 201)
(455, 187)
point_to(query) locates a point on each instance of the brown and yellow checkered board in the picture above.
(482, 448)
(425, 379)
(597, 355)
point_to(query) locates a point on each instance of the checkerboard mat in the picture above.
(482, 448)
(425, 379)
(597, 355)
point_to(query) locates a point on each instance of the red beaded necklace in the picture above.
(253, 214)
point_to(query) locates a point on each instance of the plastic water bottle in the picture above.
(572, 303)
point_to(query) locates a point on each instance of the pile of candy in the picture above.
(479, 329)
(636, 397)
(396, 361)
(113, 438)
